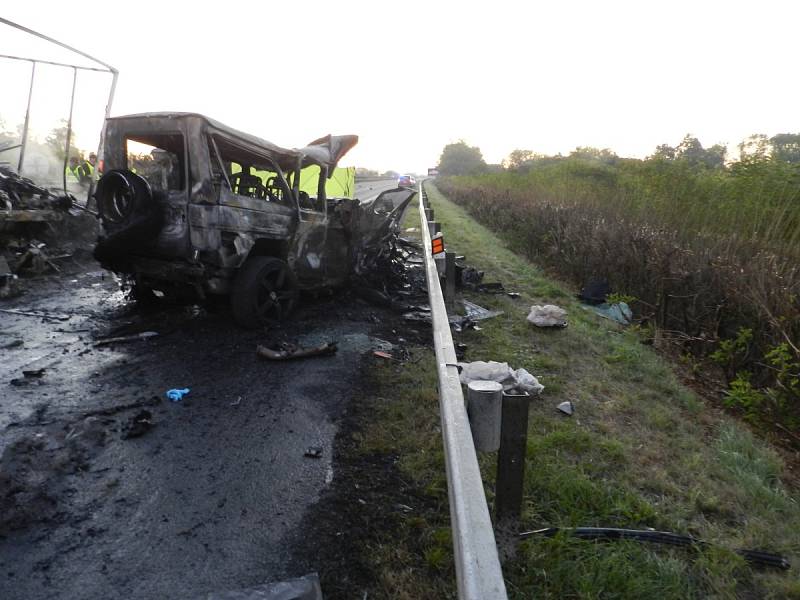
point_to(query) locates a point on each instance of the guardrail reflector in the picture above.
(437, 245)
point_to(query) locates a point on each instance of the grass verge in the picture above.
(640, 451)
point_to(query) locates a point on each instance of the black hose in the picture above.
(754, 557)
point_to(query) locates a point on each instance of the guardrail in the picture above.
(478, 572)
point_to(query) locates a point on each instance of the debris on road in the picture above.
(566, 407)
(548, 315)
(306, 587)
(289, 351)
(126, 338)
(313, 452)
(36, 313)
(34, 373)
(177, 394)
(138, 425)
(512, 380)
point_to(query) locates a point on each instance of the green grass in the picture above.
(640, 451)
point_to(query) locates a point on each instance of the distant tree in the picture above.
(691, 150)
(461, 159)
(664, 152)
(715, 156)
(786, 147)
(588, 153)
(57, 140)
(518, 157)
(755, 148)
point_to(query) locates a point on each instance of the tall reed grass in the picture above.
(712, 256)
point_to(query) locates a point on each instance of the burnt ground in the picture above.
(217, 494)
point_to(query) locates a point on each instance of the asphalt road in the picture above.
(212, 497)
(366, 190)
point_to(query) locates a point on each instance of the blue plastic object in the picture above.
(177, 394)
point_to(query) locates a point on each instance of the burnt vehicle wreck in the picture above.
(186, 201)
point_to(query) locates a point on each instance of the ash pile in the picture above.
(38, 227)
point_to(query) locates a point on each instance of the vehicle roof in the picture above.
(326, 151)
(252, 139)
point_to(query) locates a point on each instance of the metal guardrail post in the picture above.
(478, 573)
(450, 281)
(511, 457)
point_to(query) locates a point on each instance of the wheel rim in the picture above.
(274, 297)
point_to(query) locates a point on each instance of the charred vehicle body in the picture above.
(187, 201)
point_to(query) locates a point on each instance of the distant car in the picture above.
(406, 181)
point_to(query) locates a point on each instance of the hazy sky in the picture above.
(409, 77)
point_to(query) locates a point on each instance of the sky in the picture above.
(410, 77)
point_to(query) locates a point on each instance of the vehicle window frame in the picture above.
(273, 167)
(128, 135)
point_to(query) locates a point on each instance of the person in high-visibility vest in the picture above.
(72, 169)
(86, 169)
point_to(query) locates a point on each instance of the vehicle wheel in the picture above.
(264, 291)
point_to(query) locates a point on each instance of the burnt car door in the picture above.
(255, 204)
(309, 248)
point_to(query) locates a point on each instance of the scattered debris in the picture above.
(113, 410)
(14, 344)
(36, 313)
(478, 313)
(595, 291)
(754, 557)
(35, 260)
(514, 295)
(236, 402)
(566, 407)
(139, 424)
(289, 351)
(177, 394)
(306, 587)
(461, 351)
(469, 277)
(313, 452)
(619, 312)
(518, 380)
(126, 338)
(7, 279)
(381, 354)
(34, 373)
(548, 315)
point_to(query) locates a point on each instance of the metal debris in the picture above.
(144, 335)
(478, 313)
(313, 452)
(566, 407)
(289, 351)
(139, 424)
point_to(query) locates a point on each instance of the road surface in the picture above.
(212, 496)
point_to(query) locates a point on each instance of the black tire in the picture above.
(264, 291)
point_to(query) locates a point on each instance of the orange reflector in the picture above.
(437, 245)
